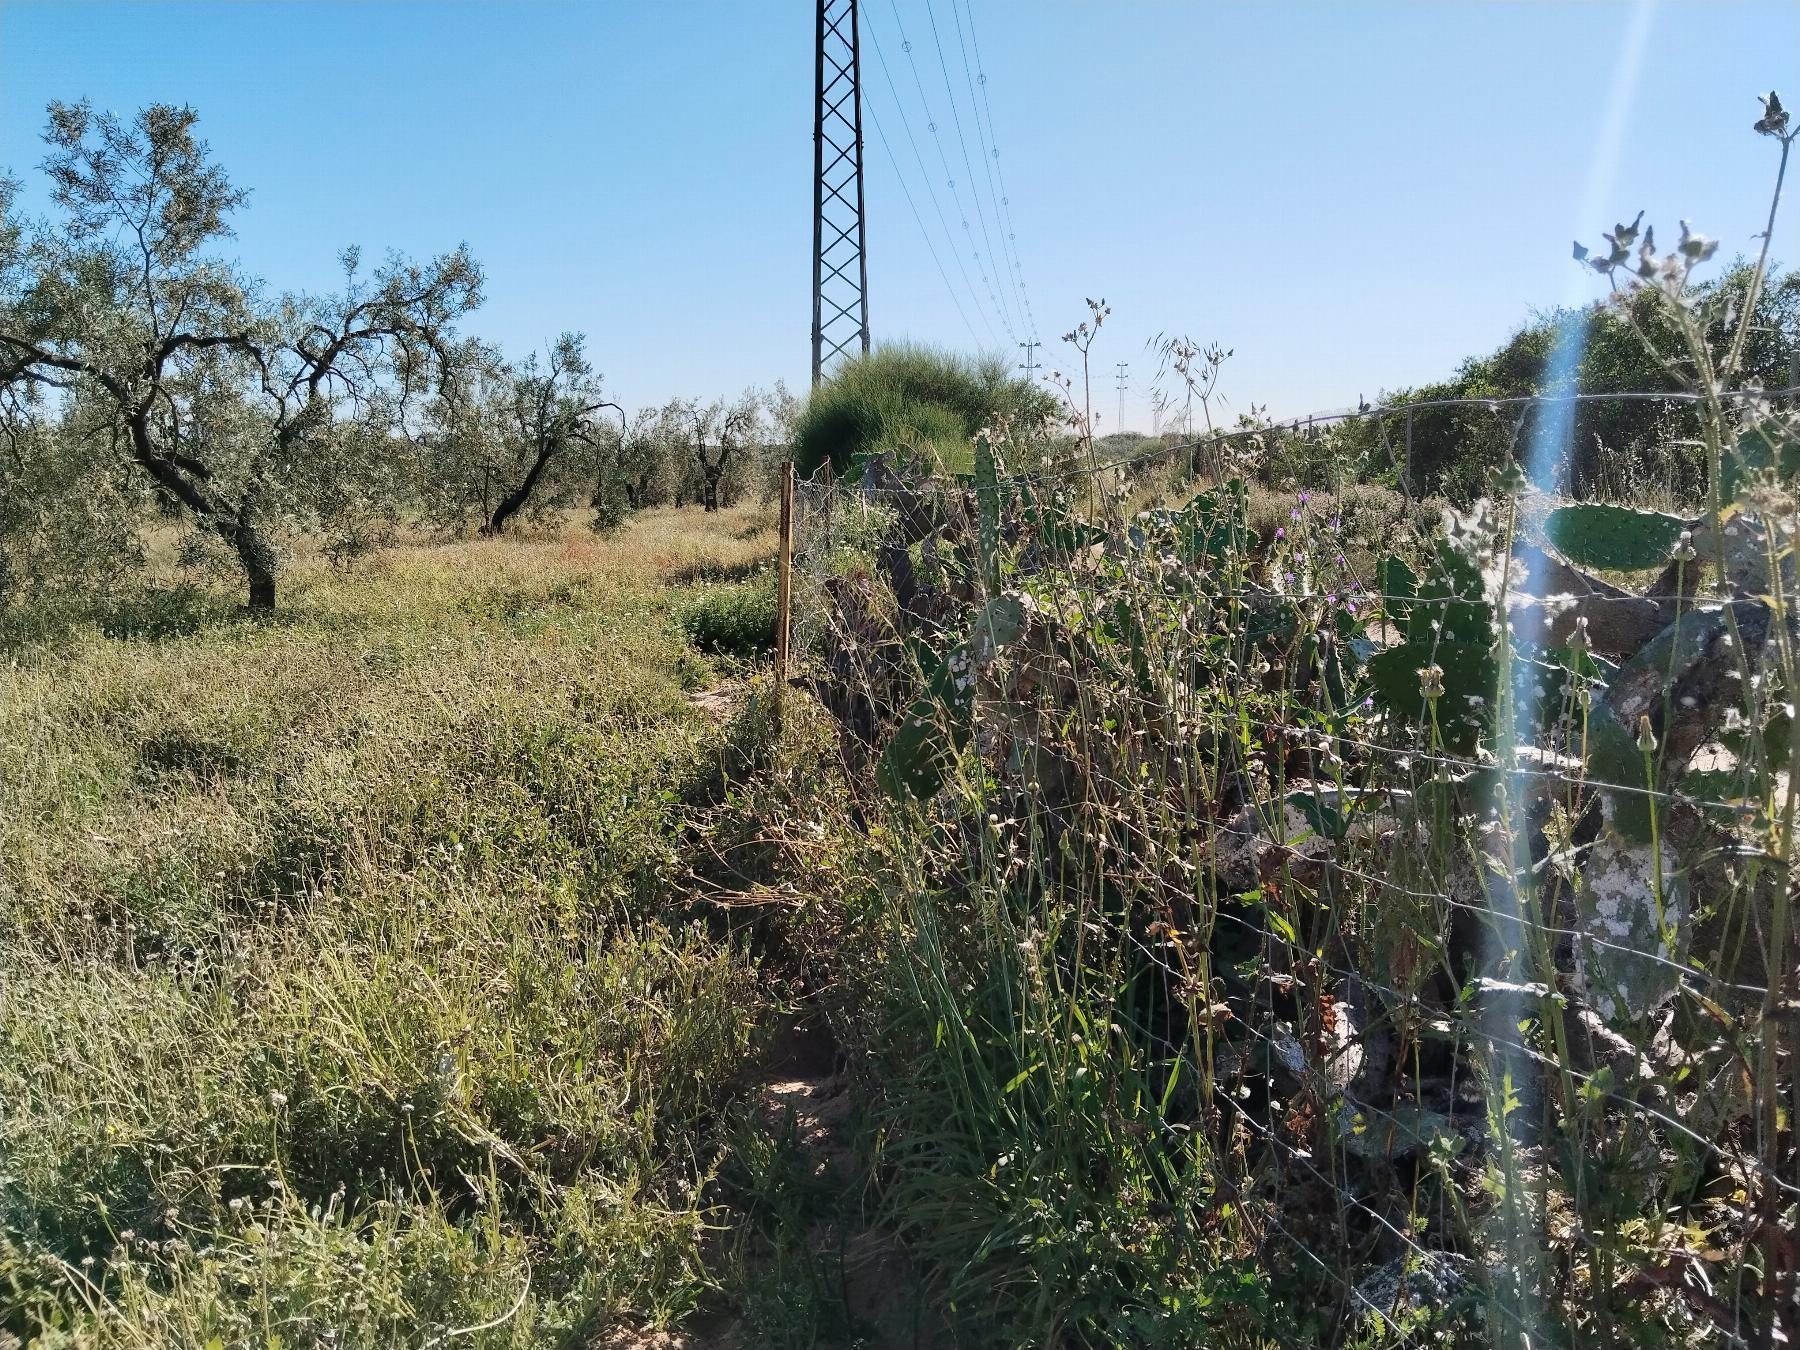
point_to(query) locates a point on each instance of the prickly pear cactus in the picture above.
(1614, 538)
(937, 725)
(1631, 914)
(1444, 671)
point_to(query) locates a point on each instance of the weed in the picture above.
(736, 619)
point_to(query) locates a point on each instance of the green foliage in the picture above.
(1619, 450)
(919, 401)
(67, 518)
(936, 727)
(1764, 449)
(1214, 525)
(1443, 677)
(731, 620)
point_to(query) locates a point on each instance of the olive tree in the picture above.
(630, 468)
(65, 518)
(546, 412)
(247, 414)
(641, 465)
(721, 444)
(506, 440)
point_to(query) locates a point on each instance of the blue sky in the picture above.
(1353, 195)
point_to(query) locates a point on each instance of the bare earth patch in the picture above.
(722, 702)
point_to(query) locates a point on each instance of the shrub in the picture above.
(734, 620)
(914, 398)
(1617, 449)
(1371, 521)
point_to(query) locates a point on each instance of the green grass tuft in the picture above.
(737, 619)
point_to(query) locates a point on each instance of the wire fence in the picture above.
(1418, 949)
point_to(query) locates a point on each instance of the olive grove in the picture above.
(246, 413)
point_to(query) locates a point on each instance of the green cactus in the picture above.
(1212, 525)
(1059, 532)
(1761, 447)
(936, 727)
(1445, 670)
(1614, 538)
(987, 506)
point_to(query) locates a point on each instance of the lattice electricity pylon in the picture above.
(840, 258)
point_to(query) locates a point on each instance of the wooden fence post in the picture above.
(784, 585)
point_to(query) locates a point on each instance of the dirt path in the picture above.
(805, 1098)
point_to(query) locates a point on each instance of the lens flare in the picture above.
(1510, 999)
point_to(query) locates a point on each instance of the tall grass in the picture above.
(347, 992)
(919, 402)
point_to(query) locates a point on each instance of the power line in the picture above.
(901, 179)
(1000, 173)
(990, 153)
(906, 46)
(937, 206)
(1123, 381)
(963, 142)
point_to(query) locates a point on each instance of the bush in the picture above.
(1616, 449)
(1370, 521)
(913, 398)
(735, 620)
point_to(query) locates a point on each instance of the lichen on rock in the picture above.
(1632, 921)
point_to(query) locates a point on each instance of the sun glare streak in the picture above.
(1546, 457)
(1548, 450)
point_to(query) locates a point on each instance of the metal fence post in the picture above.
(1406, 473)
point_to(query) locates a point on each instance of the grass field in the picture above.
(350, 993)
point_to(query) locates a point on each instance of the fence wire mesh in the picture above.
(1404, 912)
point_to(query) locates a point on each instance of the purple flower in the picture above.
(1305, 497)
(1336, 524)
(1331, 599)
(1294, 514)
(1289, 576)
(1281, 532)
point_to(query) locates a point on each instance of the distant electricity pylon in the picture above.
(1029, 365)
(840, 256)
(1124, 379)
